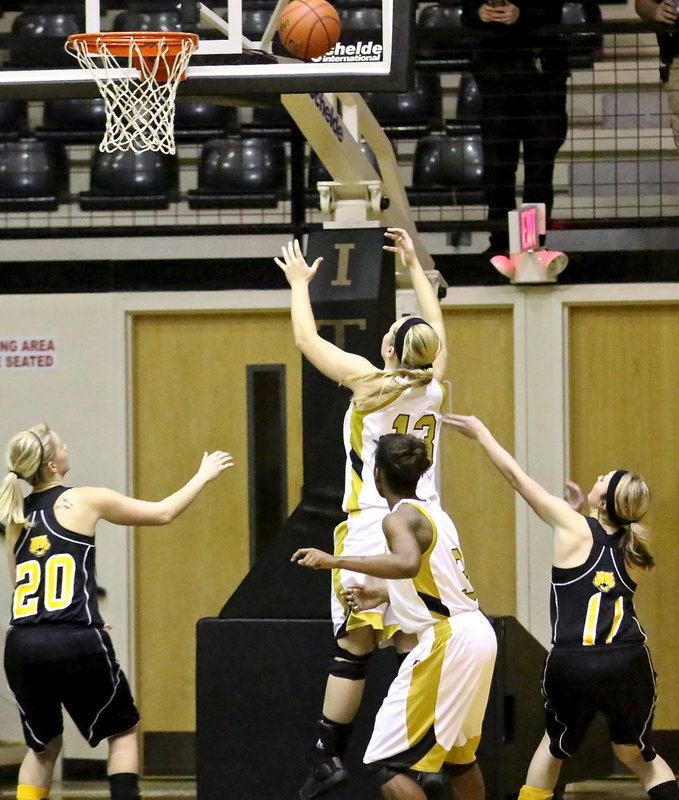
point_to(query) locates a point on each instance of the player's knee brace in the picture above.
(384, 773)
(348, 665)
(453, 770)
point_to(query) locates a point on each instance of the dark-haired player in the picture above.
(599, 661)
(433, 712)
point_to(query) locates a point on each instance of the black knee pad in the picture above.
(453, 770)
(348, 665)
(384, 773)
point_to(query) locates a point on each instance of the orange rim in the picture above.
(118, 42)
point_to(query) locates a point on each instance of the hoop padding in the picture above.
(140, 105)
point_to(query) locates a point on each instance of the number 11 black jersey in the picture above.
(592, 605)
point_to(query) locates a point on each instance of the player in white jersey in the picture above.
(404, 397)
(433, 712)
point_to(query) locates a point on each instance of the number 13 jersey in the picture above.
(55, 569)
(415, 410)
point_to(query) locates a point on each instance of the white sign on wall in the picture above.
(27, 352)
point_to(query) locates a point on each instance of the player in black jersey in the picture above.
(599, 660)
(57, 652)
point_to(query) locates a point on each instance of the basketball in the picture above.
(309, 28)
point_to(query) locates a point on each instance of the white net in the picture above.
(140, 105)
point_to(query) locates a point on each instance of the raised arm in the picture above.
(98, 503)
(329, 359)
(430, 308)
(551, 509)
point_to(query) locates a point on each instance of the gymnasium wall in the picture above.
(514, 354)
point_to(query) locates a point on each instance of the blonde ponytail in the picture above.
(27, 452)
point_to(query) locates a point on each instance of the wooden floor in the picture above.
(186, 790)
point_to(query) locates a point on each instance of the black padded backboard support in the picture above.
(260, 686)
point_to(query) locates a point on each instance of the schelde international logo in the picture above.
(329, 113)
(369, 50)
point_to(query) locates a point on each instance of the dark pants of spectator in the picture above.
(525, 107)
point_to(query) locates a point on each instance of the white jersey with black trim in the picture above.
(415, 411)
(441, 588)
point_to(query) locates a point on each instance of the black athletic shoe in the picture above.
(323, 777)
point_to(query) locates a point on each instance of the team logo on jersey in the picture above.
(604, 581)
(39, 545)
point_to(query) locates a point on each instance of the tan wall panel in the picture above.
(481, 371)
(624, 385)
(189, 378)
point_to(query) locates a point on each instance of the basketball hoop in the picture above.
(139, 104)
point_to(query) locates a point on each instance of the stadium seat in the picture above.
(13, 119)
(583, 48)
(441, 37)
(468, 109)
(447, 170)
(362, 21)
(241, 172)
(128, 180)
(270, 120)
(34, 176)
(149, 17)
(409, 114)
(196, 121)
(72, 120)
(37, 37)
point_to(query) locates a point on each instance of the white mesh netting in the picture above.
(139, 106)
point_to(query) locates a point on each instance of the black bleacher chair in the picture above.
(270, 120)
(72, 120)
(132, 181)
(409, 114)
(38, 35)
(447, 170)
(149, 17)
(468, 109)
(13, 120)
(441, 38)
(241, 172)
(34, 176)
(583, 48)
(196, 121)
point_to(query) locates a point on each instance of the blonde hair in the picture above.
(632, 499)
(421, 345)
(27, 452)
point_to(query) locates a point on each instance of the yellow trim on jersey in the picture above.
(423, 691)
(589, 631)
(356, 444)
(617, 619)
(424, 580)
(464, 753)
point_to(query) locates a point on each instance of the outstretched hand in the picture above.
(313, 558)
(213, 464)
(403, 245)
(573, 496)
(294, 264)
(468, 426)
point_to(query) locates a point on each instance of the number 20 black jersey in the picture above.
(55, 569)
(592, 605)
